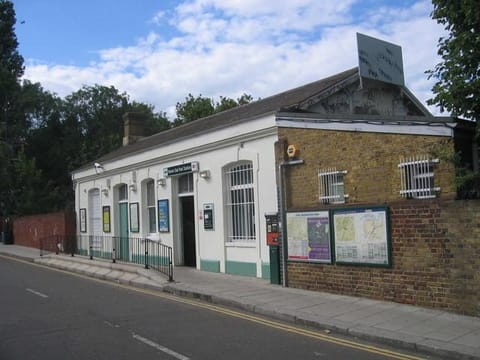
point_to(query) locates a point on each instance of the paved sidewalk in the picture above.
(429, 331)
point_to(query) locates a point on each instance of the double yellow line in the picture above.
(252, 318)
(280, 326)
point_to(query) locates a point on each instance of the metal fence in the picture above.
(147, 252)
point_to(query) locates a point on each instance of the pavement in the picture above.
(430, 332)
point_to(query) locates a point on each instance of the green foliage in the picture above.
(457, 89)
(194, 108)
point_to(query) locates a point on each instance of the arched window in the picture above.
(240, 202)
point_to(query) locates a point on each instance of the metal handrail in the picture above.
(150, 253)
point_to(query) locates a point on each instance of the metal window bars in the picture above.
(417, 177)
(331, 186)
(240, 203)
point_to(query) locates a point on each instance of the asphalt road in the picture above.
(47, 314)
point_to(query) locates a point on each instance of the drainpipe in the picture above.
(283, 215)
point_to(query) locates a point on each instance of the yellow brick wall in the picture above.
(371, 160)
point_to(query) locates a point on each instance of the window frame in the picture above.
(150, 207)
(417, 177)
(331, 186)
(240, 204)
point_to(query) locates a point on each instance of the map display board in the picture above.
(361, 236)
(308, 236)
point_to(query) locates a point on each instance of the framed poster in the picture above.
(134, 223)
(106, 219)
(83, 220)
(163, 216)
(308, 236)
(362, 236)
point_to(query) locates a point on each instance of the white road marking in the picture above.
(160, 347)
(37, 293)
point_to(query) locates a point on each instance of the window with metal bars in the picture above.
(417, 177)
(240, 202)
(331, 186)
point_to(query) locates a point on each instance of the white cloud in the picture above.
(228, 47)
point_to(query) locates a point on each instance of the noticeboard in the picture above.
(163, 216)
(362, 236)
(308, 236)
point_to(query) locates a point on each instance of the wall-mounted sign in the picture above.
(380, 60)
(181, 169)
(163, 216)
(361, 236)
(106, 219)
(134, 219)
(208, 216)
(308, 236)
(83, 220)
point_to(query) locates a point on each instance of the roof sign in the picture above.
(380, 60)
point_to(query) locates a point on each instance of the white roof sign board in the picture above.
(380, 60)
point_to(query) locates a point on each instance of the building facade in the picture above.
(204, 188)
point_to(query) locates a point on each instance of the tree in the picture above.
(11, 132)
(94, 125)
(457, 89)
(194, 108)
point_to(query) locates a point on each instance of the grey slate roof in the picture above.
(229, 117)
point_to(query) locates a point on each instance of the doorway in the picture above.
(187, 211)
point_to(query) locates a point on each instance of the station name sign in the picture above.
(181, 169)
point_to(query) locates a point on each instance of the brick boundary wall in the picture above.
(435, 260)
(28, 230)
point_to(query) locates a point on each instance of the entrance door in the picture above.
(123, 246)
(188, 230)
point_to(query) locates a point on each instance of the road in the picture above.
(49, 314)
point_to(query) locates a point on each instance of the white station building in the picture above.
(204, 188)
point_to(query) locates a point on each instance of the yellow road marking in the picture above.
(237, 314)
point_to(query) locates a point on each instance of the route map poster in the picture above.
(308, 236)
(361, 236)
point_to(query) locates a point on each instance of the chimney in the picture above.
(134, 123)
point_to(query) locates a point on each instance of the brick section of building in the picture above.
(435, 260)
(371, 160)
(435, 242)
(28, 230)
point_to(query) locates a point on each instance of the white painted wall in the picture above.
(253, 140)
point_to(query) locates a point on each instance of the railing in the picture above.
(147, 252)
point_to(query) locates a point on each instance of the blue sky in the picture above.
(160, 50)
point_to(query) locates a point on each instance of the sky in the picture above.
(159, 51)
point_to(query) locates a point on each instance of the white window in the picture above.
(123, 192)
(240, 202)
(185, 184)
(417, 177)
(151, 214)
(331, 186)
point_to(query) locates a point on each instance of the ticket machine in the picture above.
(273, 231)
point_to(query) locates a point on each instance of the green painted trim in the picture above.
(210, 265)
(152, 260)
(241, 268)
(266, 271)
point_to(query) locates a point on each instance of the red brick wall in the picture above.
(28, 230)
(435, 260)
